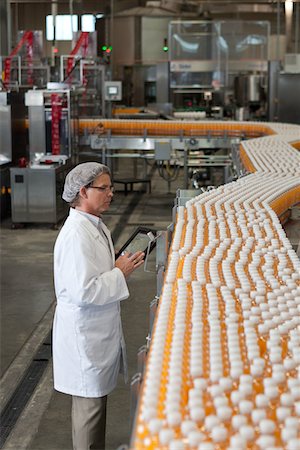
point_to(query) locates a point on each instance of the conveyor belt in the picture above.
(178, 128)
(223, 370)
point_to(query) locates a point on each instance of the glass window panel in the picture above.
(88, 22)
(63, 29)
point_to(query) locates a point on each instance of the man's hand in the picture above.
(129, 262)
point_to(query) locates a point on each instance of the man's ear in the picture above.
(83, 192)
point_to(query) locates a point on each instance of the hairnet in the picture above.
(80, 176)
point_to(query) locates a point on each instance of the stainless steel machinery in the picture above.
(218, 67)
(205, 156)
(13, 140)
(36, 194)
(284, 92)
(53, 121)
(53, 136)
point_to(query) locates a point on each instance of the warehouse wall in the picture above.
(126, 39)
(154, 31)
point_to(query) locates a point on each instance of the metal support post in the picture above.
(135, 385)
(141, 358)
(185, 168)
(161, 257)
(153, 309)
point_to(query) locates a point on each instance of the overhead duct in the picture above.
(177, 6)
(193, 8)
(166, 5)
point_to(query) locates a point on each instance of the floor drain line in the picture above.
(23, 392)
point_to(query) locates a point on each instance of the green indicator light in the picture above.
(104, 48)
(165, 47)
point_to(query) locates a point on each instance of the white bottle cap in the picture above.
(286, 399)
(293, 444)
(155, 425)
(211, 421)
(282, 413)
(246, 406)
(206, 446)
(197, 414)
(187, 426)
(176, 444)
(247, 432)
(261, 401)
(238, 421)
(288, 433)
(219, 433)
(267, 426)
(166, 435)
(195, 437)
(224, 413)
(265, 441)
(257, 415)
(292, 422)
(174, 418)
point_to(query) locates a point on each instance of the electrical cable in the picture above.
(165, 173)
(73, 68)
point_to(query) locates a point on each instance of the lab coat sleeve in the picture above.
(85, 273)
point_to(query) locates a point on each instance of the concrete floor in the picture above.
(27, 305)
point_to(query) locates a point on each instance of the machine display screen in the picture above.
(112, 90)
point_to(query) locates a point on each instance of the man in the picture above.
(88, 342)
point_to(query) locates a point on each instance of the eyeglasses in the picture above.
(102, 188)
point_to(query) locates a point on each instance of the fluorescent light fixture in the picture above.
(289, 5)
(63, 28)
(88, 22)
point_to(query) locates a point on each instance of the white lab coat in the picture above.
(88, 342)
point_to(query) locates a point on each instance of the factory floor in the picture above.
(36, 416)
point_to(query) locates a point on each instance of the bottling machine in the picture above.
(218, 69)
(52, 124)
(53, 135)
(13, 138)
(25, 66)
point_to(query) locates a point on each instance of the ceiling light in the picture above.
(289, 7)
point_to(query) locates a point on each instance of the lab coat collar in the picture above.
(82, 217)
(97, 221)
(97, 224)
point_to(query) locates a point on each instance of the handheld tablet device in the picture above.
(139, 241)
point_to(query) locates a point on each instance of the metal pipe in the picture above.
(71, 15)
(111, 36)
(297, 27)
(9, 40)
(54, 14)
(278, 31)
(288, 23)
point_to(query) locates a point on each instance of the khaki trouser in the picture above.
(88, 423)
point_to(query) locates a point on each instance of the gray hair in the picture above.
(82, 175)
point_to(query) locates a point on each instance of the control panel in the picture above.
(113, 90)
